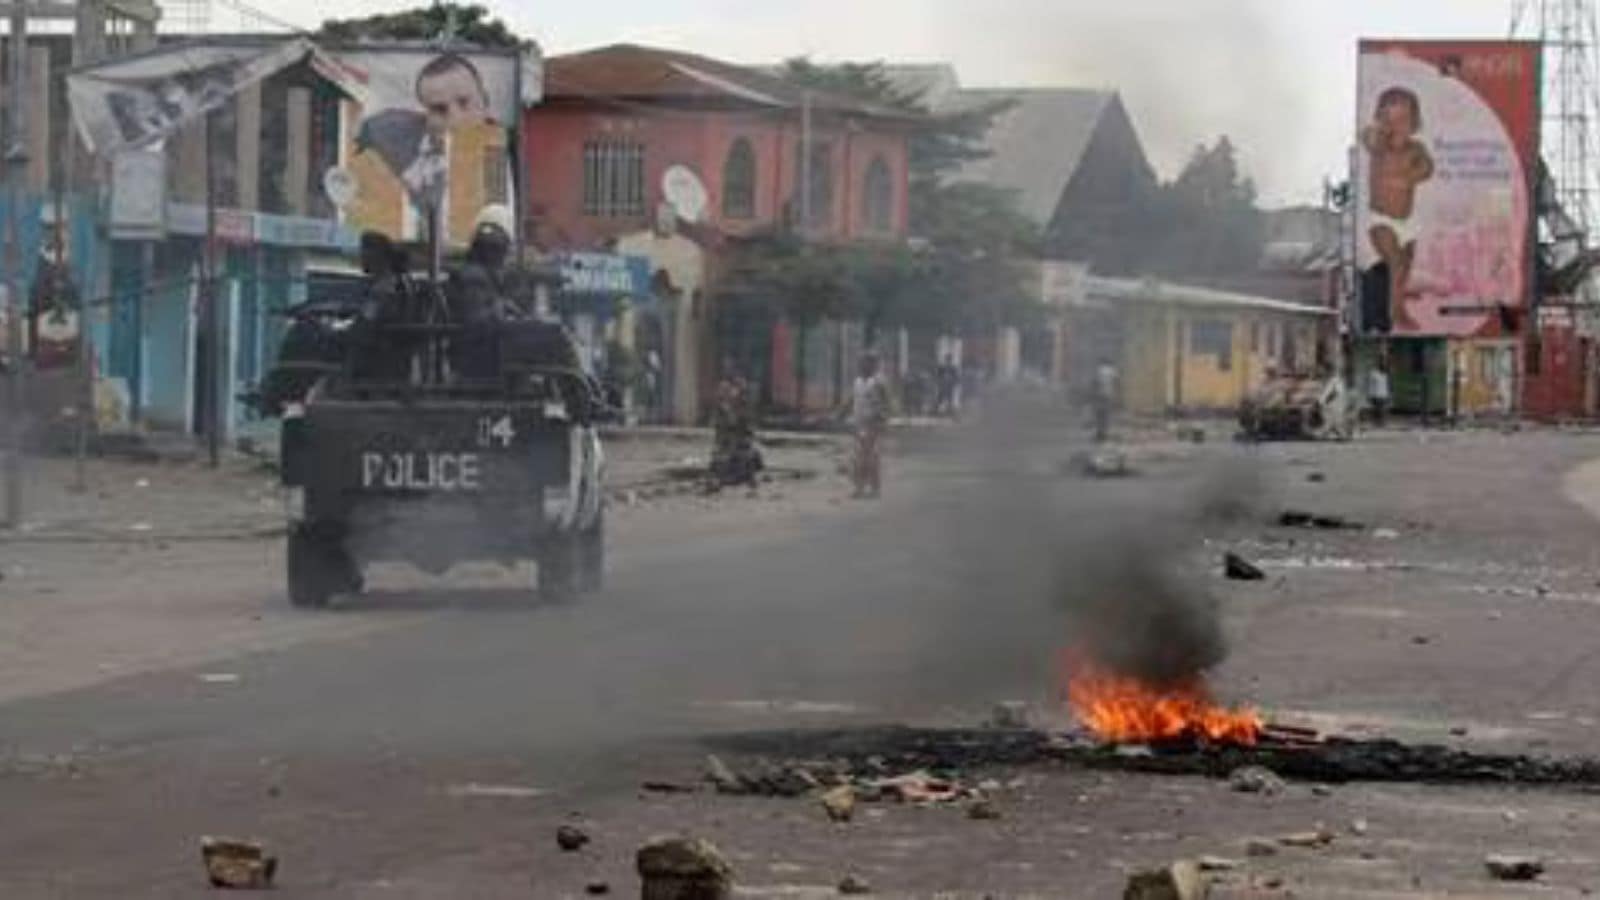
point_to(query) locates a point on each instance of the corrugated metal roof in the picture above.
(1036, 145)
(633, 72)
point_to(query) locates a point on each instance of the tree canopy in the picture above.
(958, 271)
(1206, 222)
(465, 22)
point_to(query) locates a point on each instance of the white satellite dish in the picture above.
(685, 192)
(340, 186)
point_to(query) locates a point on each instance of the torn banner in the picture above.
(137, 102)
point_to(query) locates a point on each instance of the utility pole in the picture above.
(215, 374)
(805, 162)
(16, 160)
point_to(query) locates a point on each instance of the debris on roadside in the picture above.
(761, 779)
(1317, 837)
(1102, 463)
(1359, 827)
(1513, 867)
(237, 864)
(597, 888)
(839, 803)
(1260, 847)
(1182, 880)
(722, 777)
(571, 838)
(1297, 518)
(983, 810)
(1256, 780)
(854, 885)
(682, 868)
(1385, 534)
(1238, 568)
(916, 787)
(1217, 864)
(1009, 714)
(1316, 477)
(668, 787)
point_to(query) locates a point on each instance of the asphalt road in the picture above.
(434, 757)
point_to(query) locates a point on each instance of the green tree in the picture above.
(959, 271)
(465, 22)
(1206, 219)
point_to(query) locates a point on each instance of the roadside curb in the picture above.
(47, 535)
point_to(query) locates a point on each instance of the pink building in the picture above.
(615, 119)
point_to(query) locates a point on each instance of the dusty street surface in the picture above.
(427, 739)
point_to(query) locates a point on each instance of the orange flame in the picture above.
(1121, 709)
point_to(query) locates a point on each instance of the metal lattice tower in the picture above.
(1571, 108)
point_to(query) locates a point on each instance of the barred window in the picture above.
(877, 197)
(613, 178)
(739, 181)
(496, 173)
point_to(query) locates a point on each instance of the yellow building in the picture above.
(1188, 348)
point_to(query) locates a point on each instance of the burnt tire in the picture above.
(317, 569)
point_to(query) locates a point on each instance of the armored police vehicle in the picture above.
(434, 423)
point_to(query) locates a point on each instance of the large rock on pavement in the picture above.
(682, 868)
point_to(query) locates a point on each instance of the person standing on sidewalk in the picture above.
(1105, 397)
(1378, 392)
(869, 418)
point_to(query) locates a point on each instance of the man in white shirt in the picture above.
(1378, 392)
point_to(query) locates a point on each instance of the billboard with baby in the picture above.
(1447, 149)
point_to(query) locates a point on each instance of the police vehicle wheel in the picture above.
(558, 569)
(313, 572)
(591, 552)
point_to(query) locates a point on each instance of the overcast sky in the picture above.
(1277, 76)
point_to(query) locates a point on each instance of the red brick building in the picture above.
(615, 119)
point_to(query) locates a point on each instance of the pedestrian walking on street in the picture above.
(869, 417)
(1378, 392)
(1105, 398)
(948, 379)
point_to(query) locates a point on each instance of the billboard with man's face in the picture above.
(1446, 154)
(433, 128)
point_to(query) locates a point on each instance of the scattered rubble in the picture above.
(680, 868)
(854, 885)
(722, 777)
(1256, 780)
(982, 810)
(1217, 864)
(1009, 714)
(597, 888)
(1513, 867)
(1317, 837)
(1182, 880)
(1238, 568)
(571, 838)
(1260, 847)
(1102, 463)
(237, 864)
(1295, 518)
(839, 803)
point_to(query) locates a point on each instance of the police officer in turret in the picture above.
(477, 293)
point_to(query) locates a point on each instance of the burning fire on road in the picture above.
(1122, 709)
